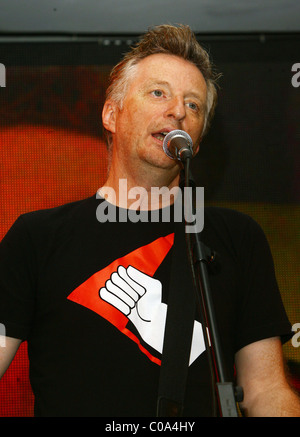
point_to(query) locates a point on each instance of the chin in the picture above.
(161, 160)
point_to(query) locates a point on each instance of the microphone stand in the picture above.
(200, 258)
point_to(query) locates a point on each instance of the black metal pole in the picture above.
(201, 256)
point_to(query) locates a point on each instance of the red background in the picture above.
(52, 152)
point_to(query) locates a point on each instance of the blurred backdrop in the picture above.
(52, 148)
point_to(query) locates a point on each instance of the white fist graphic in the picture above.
(138, 296)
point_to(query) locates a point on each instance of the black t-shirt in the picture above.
(89, 356)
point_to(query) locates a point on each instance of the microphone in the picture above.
(178, 145)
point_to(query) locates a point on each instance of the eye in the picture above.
(157, 93)
(193, 106)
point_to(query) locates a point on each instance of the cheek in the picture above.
(129, 117)
(130, 128)
(196, 130)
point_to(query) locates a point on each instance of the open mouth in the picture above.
(160, 135)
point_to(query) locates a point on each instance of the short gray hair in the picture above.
(168, 39)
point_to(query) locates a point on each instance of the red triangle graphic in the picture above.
(146, 259)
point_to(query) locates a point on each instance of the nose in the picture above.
(176, 109)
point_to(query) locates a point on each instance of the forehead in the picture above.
(169, 69)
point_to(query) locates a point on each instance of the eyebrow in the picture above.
(165, 83)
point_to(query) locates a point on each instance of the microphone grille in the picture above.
(177, 133)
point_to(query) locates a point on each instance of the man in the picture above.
(91, 298)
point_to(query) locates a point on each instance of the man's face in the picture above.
(166, 93)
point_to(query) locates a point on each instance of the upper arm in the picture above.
(261, 373)
(8, 349)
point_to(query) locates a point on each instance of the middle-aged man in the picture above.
(91, 296)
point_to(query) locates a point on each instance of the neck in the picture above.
(144, 190)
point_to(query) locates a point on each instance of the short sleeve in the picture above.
(261, 311)
(17, 281)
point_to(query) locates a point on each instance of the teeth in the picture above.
(160, 136)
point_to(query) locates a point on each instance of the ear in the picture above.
(109, 116)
